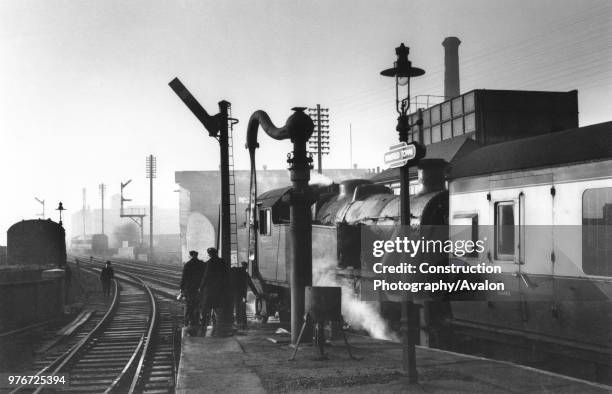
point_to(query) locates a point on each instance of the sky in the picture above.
(84, 93)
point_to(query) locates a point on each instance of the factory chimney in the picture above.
(451, 67)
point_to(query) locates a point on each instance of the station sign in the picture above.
(400, 154)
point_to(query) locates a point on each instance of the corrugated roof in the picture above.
(582, 144)
(449, 150)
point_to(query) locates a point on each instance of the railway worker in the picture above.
(241, 280)
(213, 287)
(106, 276)
(193, 272)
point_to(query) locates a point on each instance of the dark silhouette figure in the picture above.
(214, 284)
(106, 276)
(240, 281)
(193, 272)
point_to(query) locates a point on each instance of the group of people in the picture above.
(206, 285)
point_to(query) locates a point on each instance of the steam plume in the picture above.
(359, 314)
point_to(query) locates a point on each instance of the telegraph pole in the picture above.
(319, 141)
(319, 161)
(102, 190)
(151, 173)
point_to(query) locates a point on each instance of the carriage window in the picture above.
(597, 231)
(504, 230)
(465, 227)
(435, 134)
(427, 136)
(265, 222)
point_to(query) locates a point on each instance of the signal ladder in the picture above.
(232, 194)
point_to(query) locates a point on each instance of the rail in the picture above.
(61, 360)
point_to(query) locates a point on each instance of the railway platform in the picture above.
(252, 363)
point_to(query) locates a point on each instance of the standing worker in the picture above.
(241, 280)
(213, 287)
(193, 272)
(106, 275)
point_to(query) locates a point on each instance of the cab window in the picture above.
(265, 221)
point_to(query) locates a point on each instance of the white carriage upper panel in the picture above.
(547, 201)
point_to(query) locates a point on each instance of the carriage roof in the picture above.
(584, 144)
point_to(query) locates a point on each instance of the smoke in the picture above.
(320, 179)
(125, 232)
(359, 314)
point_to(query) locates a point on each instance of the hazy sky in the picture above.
(84, 94)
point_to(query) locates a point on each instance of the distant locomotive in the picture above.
(36, 242)
(95, 245)
(553, 190)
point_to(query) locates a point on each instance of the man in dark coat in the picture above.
(214, 286)
(106, 276)
(240, 281)
(193, 272)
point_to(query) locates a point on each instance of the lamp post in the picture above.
(60, 208)
(402, 70)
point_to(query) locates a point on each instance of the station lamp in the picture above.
(402, 71)
(60, 208)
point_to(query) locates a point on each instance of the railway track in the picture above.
(132, 348)
(164, 280)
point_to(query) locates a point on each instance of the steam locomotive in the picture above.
(553, 190)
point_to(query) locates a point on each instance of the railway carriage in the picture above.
(545, 206)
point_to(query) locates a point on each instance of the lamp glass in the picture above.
(402, 81)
